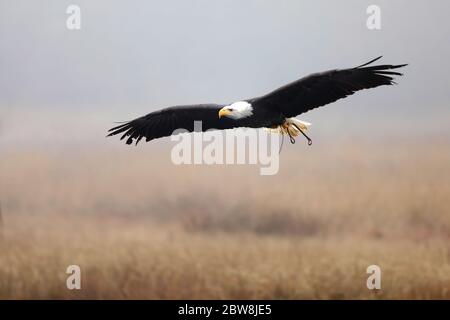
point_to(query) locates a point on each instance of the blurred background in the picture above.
(373, 188)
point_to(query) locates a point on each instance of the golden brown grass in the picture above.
(140, 227)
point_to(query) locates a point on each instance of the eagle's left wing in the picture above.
(319, 89)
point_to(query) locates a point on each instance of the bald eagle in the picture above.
(274, 110)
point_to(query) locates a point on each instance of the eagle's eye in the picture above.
(230, 109)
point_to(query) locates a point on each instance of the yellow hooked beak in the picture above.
(224, 112)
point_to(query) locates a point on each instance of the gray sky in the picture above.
(132, 57)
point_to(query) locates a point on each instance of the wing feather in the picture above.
(320, 89)
(164, 122)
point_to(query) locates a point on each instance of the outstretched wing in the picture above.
(164, 122)
(319, 89)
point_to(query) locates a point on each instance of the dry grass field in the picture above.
(140, 227)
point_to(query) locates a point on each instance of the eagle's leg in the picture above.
(304, 134)
(290, 136)
(284, 129)
(292, 127)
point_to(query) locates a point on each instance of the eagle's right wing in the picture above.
(163, 123)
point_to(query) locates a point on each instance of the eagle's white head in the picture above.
(237, 110)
